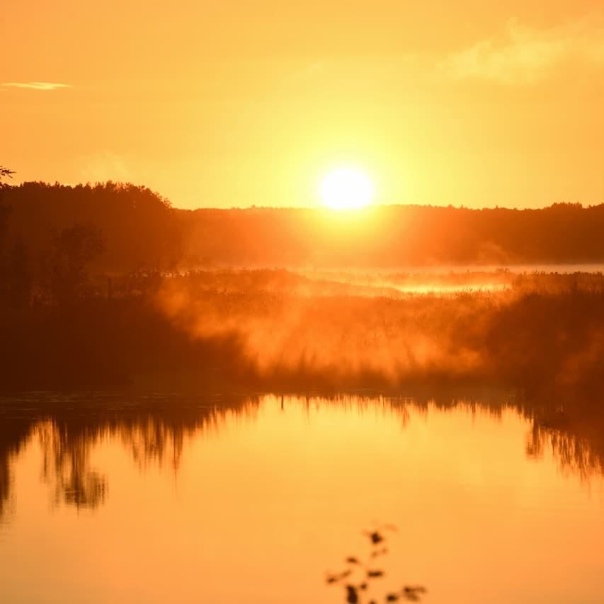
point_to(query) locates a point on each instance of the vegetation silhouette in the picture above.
(66, 267)
(141, 229)
(360, 574)
(67, 327)
(393, 236)
(6, 172)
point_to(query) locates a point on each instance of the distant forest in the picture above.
(396, 236)
(137, 229)
(109, 286)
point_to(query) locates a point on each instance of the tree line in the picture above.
(55, 239)
(126, 228)
(396, 236)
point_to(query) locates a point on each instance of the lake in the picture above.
(114, 498)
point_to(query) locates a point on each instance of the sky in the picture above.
(234, 103)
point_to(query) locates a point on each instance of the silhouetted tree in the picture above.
(5, 172)
(73, 250)
(140, 228)
(5, 213)
(18, 279)
(4, 210)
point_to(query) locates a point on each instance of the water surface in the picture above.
(172, 499)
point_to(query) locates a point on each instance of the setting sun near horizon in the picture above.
(236, 104)
(347, 188)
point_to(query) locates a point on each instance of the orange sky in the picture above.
(241, 102)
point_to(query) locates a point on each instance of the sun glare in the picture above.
(346, 189)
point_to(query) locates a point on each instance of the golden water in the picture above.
(257, 503)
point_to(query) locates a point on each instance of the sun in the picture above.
(346, 189)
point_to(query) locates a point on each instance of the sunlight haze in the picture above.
(302, 302)
(347, 188)
(226, 104)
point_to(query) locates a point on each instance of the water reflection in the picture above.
(578, 448)
(67, 427)
(154, 428)
(15, 430)
(254, 499)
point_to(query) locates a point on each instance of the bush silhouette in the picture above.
(360, 575)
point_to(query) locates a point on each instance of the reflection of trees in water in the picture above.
(5, 480)
(66, 466)
(14, 432)
(578, 446)
(574, 433)
(155, 429)
(153, 440)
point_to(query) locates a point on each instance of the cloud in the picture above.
(526, 55)
(36, 85)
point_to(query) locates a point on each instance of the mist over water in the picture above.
(533, 332)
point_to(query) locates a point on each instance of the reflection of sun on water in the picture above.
(346, 189)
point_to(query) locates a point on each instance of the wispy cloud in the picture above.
(526, 55)
(36, 85)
